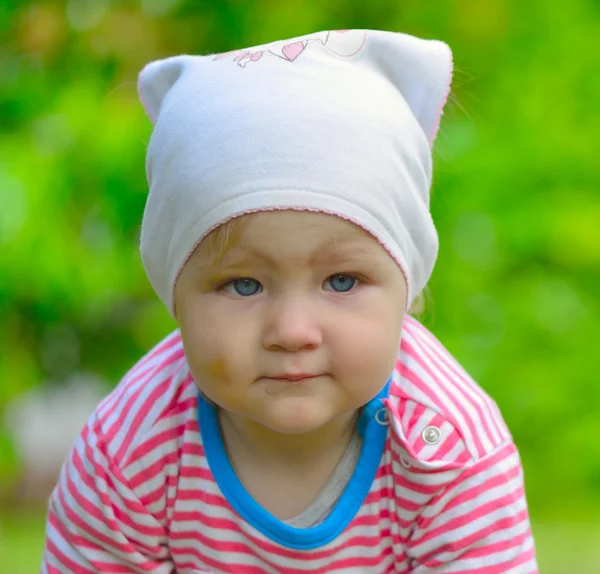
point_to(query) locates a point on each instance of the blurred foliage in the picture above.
(516, 200)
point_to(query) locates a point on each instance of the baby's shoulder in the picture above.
(147, 414)
(439, 414)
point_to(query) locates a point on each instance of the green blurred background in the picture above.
(515, 295)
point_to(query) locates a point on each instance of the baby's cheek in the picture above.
(207, 371)
(216, 370)
(215, 373)
(372, 350)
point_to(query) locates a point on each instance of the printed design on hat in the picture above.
(343, 43)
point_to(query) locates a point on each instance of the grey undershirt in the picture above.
(320, 508)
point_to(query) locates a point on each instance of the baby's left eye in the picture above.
(243, 287)
(341, 283)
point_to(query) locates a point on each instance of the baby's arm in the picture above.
(479, 523)
(96, 523)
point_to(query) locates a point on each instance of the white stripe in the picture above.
(117, 498)
(448, 396)
(475, 394)
(143, 368)
(462, 380)
(494, 559)
(64, 547)
(497, 536)
(409, 409)
(456, 451)
(529, 567)
(429, 451)
(126, 428)
(424, 420)
(398, 481)
(472, 527)
(258, 554)
(448, 431)
(154, 368)
(475, 482)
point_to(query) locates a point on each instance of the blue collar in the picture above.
(372, 426)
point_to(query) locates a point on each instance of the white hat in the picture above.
(339, 122)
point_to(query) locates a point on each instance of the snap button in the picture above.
(404, 461)
(381, 416)
(431, 435)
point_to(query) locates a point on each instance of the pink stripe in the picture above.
(475, 491)
(423, 490)
(419, 444)
(58, 554)
(435, 399)
(264, 545)
(131, 507)
(512, 542)
(81, 525)
(432, 348)
(461, 380)
(139, 480)
(141, 414)
(132, 388)
(169, 434)
(439, 350)
(491, 483)
(169, 343)
(152, 445)
(177, 404)
(120, 494)
(481, 467)
(87, 506)
(144, 366)
(476, 537)
(450, 443)
(523, 558)
(227, 564)
(157, 495)
(456, 524)
(100, 566)
(458, 382)
(96, 539)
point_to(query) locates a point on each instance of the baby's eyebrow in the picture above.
(344, 254)
(341, 253)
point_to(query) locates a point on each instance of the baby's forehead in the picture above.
(289, 233)
(287, 223)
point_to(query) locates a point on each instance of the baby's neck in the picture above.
(285, 473)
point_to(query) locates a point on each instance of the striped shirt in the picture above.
(438, 486)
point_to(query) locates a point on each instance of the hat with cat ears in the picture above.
(421, 69)
(340, 122)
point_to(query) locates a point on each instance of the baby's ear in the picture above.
(422, 72)
(156, 80)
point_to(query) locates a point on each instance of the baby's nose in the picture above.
(292, 325)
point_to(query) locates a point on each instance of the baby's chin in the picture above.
(297, 415)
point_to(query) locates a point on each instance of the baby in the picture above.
(299, 420)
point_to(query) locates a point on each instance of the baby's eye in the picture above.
(341, 283)
(244, 287)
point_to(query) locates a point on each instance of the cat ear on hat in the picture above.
(420, 69)
(422, 72)
(156, 80)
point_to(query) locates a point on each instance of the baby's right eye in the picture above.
(243, 287)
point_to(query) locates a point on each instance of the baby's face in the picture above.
(298, 295)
